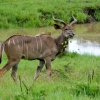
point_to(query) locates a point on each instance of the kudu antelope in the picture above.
(42, 47)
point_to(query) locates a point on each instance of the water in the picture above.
(86, 40)
(88, 47)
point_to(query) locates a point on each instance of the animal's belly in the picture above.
(32, 56)
(39, 54)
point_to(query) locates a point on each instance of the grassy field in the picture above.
(37, 13)
(74, 77)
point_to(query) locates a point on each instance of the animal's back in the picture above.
(36, 47)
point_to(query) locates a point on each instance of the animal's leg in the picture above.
(8, 66)
(48, 67)
(14, 72)
(39, 68)
(2, 71)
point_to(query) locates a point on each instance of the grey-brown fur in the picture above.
(42, 47)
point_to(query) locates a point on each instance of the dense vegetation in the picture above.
(75, 77)
(37, 13)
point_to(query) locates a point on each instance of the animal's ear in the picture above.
(56, 26)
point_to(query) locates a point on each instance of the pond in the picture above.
(82, 46)
(86, 39)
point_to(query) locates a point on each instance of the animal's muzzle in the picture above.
(71, 35)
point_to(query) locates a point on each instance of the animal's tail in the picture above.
(1, 49)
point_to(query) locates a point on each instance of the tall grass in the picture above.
(74, 77)
(37, 13)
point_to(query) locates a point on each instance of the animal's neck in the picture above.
(59, 42)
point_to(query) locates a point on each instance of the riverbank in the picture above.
(74, 77)
(37, 13)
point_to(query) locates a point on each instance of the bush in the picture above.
(97, 14)
(38, 13)
(81, 17)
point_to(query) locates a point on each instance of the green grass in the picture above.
(74, 77)
(37, 13)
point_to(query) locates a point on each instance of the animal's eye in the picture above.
(66, 29)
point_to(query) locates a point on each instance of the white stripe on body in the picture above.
(26, 48)
(9, 42)
(38, 35)
(22, 42)
(36, 43)
(13, 42)
(18, 44)
(33, 42)
(40, 43)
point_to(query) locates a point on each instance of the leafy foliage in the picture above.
(17, 13)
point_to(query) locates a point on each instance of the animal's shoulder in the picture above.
(46, 33)
(46, 36)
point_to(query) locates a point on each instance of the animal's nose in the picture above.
(73, 34)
